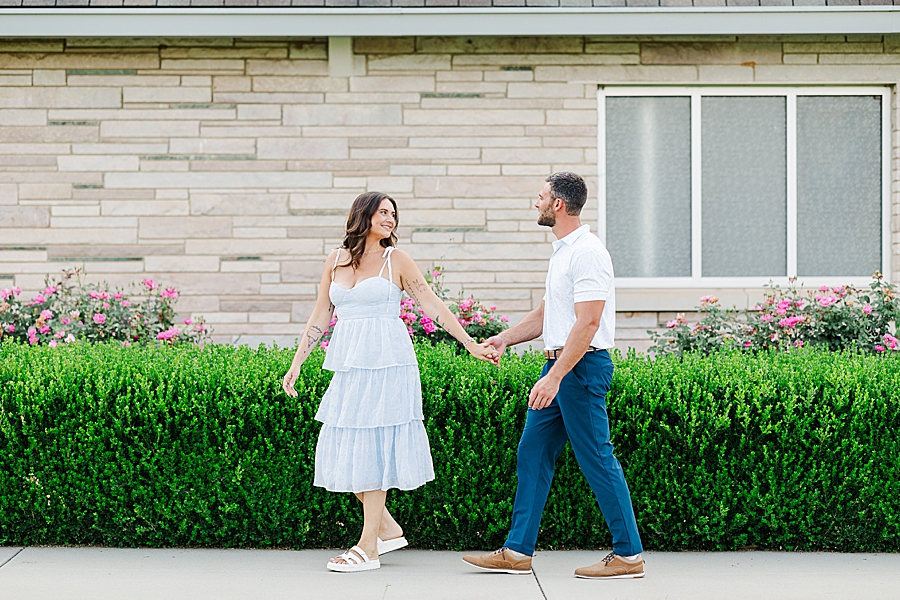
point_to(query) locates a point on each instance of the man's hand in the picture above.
(498, 344)
(543, 392)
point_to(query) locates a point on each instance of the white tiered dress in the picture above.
(372, 434)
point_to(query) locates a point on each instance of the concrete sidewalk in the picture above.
(176, 574)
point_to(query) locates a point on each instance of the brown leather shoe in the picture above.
(500, 561)
(613, 567)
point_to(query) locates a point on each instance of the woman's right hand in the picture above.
(287, 384)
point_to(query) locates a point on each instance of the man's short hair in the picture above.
(570, 188)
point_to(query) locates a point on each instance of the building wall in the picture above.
(226, 167)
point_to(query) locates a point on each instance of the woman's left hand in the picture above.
(484, 352)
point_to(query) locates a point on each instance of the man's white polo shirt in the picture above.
(580, 271)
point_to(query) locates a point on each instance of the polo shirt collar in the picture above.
(572, 237)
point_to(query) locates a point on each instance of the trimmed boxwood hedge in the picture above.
(183, 446)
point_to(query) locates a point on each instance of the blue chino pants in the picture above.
(577, 415)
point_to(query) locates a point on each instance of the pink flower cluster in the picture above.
(890, 342)
(168, 334)
(791, 322)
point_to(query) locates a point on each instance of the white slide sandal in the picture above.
(385, 546)
(355, 560)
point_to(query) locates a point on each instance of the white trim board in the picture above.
(790, 93)
(303, 22)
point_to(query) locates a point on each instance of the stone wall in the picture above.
(225, 167)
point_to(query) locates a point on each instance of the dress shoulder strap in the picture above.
(336, 259)
(387, 263)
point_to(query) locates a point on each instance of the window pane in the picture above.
(744, 191)
(648, 186)
(838, 185)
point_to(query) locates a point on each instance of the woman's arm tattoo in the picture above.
(312, 339)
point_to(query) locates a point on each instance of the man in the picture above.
(568, 403)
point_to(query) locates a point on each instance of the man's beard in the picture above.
(547, 219)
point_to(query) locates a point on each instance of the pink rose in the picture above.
(106, 305)
(748, 344)
(4, 294)
(149, 284)
(170, 293)
(38, 299)
(117, 296)
(125, 303)
(94, 295)
(187, 321)
(50, 290)
(16, 290)
(324, 344)
(45, 330)
(66, 320)
(410, 331)
(60, 334)
(824, 288)
(435, 273)
(867, 308)
(672, 324)
(766, 318)
(70, 338)
(879, 348)
(11, 329)
(53, 343)
(46, 315)
(99, 319)
(780, 311)
(798, 343)
(891, 341)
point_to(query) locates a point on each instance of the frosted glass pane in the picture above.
(838, 185)
(648, 186)
(744, 190)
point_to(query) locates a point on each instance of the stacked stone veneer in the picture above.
(226, 167)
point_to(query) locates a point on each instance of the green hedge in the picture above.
(161, 446)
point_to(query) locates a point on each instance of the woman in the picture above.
(372, 437)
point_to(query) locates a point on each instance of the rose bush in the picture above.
(833, 318)
(68, 309)
(479, 321)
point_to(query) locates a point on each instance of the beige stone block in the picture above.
(383, 132)
(828, 74)
(23, 117)
(96, 162)
(473, 117)
(41, 191)
(612, 48)
(319, 148)
(94, 222)
(533, 155)
(346, 114)
(391, 185)
(711, 53)
(167, 94)
(223, 180)
(610, 74)
(260, 112)
(835, 48)
(637, 320)
(149, 129)
(401, 170)
(268, 98)
(46, 236)
(517, 61)
(319, 216)
(308, 51)
(349, 182)
(477, 187)
(81, 60)
(476, 170)
(184, 227)
(24, 216)
(49, 77)
(859, 59)
(25, 45)
(466, 90)
(15, 80)
(411, 83)
(494, 237)
(196, 80)
(262, 52)
(141, 208)
(260, 232)
(301, 271)
(800, 59)
(123, 80)
(134, 114)
(392, 154)
(288, 67)
(68, 134)
(207, 145)
(249, 266)
(725, 73)
(409, 62)
(384, 45)
(444, 76)
(276, 83)
(372, 98)
(471, 142)
(214, 283)
(222, 65)
(25, 149)
(245, 247)
(545, 90)
(165, 166)
(20, 256)
(182, 264)
(60, 97)
(75, 210)
(507, 75)
(9, 193)
(119, 148)
(500, 45)
(287, 289)
(227, 83)
(269, 317)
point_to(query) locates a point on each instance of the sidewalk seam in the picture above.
(538, 581)
(4, 563)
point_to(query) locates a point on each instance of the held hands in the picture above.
(287, 383)
(498, 344)
(484, 352)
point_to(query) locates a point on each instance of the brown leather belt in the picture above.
(554, 354)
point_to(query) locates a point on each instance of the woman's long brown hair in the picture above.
(359, 222)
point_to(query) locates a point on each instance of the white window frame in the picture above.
(790, 93)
